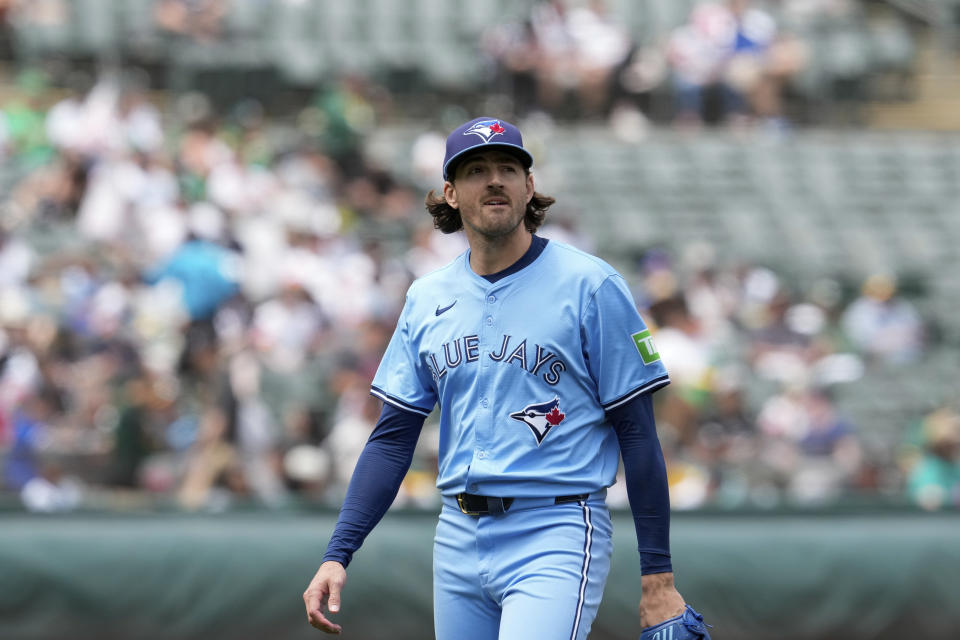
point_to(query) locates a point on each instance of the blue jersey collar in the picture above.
(537, 245)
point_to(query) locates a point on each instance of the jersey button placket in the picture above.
(488, 341)
(487, 337)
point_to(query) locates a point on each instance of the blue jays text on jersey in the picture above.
(467, 350)
(524, 370)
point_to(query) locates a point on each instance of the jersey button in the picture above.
(472, 488)
(484, 403)
(489, 320)
(482, 454)
(492, 299)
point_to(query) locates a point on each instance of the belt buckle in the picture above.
(463, 506)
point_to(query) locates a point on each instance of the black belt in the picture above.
(474, 505)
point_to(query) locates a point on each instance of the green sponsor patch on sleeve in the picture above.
(644, 344)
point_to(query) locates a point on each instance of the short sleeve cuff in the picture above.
(647, 387)
(398, 403)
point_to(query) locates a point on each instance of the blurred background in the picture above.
(210, 211)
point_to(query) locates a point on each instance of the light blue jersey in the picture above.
(523, 370)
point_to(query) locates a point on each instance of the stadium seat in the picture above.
(95, 27)
(298, 46)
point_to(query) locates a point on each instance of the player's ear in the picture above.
(450, 195)
(530, 187)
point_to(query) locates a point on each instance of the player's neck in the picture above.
(490, 255)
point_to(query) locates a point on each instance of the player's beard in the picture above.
(493, 226)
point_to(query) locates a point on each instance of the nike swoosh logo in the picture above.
(446, 308)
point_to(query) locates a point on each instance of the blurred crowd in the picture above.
(732, 62)
(193, 304)
(194, 298)
(750, 417)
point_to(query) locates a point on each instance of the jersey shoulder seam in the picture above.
(593, 294)
(598, 262)
(605, 269)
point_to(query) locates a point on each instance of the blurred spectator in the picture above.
(548, 20)
(253, 429)
(732, 56)
(52, 193)
(811, 449)
(882, 325)
(135, 437)
(779, 350)
(51, 491)
(696, 52)
(212, 475)
(934, 480)
(207, 272)
(682, 344)
(199, 20)
(557, 54)
(103, 116)
(515, 51)
(727, 423)
(16, 260)
(711, 296)
(23, 115)
(284, 328)
(600, 48)
(65, 121)
(30, 436)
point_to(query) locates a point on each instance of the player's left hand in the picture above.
(689, 626)
(659, 600)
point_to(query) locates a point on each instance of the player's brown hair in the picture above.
(447, 219)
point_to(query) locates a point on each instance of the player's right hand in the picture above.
(325, 589)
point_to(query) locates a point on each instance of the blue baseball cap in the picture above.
(483, 133)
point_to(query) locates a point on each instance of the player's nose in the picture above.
(496, 188)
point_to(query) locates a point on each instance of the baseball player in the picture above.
(543, 370)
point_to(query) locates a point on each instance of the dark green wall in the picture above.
(241, 576)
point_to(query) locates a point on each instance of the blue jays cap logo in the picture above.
(540, 417)
(481, 133)
(486, 129)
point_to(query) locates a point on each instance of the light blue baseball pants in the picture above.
(535, 572)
